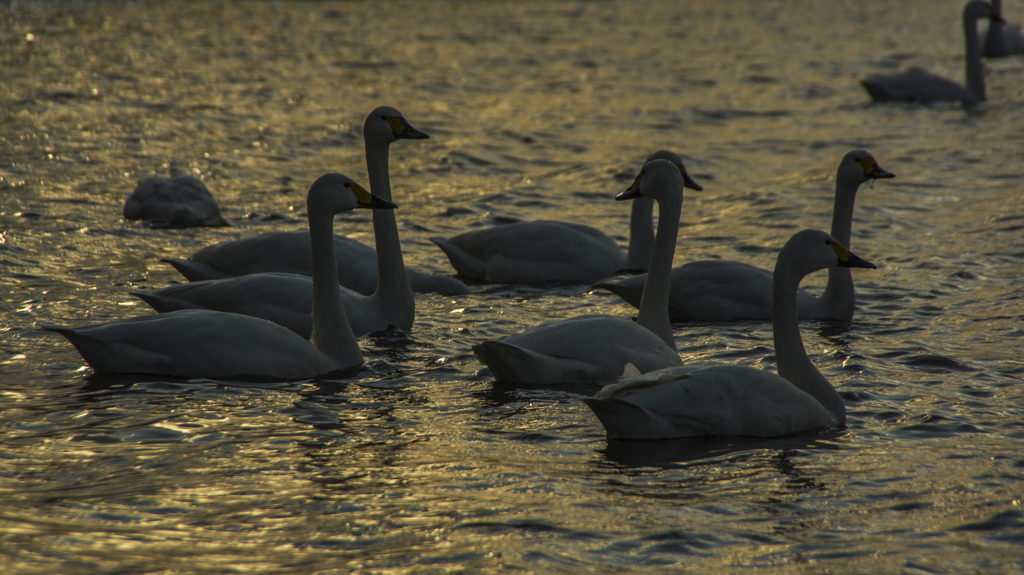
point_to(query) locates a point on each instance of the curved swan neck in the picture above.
(654, 301)
(641, 234)
(392, 280)
(331, 331)
(790, 355)
(839, 292)
(975, 74)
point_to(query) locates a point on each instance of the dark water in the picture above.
(422, 464)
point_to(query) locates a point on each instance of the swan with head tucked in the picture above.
(182, 202)
(710, 400)
(554, 251)
(596, 348)
(716, 290)
(358, 264)
(916, 85)
(203, 343)
(1001, 39)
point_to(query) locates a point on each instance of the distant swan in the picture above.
(731, 400)
(287, 252)
(716, 290)
(181, 202)
(1001, 39)
(917, 85)
(596, 348)
(203, 343)
(553, 251)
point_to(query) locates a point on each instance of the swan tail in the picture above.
(514, 364)
(463, 262)
(626, 292)
(95, 353)
(163, 304)
(195, 271)
(624, 420)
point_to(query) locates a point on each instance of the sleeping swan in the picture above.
(732, 400)
(552, 251)
(917, 85)
(287, 252)
(181, 202)
(716, 290)
(596, 348)
(203, 343)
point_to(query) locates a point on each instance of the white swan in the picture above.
(916, 85)
(287, 252)
(181, 202)
(1001, 39)
(730, 400)
(596, 348)
(203, 343)
(553, 251)
(716, 290)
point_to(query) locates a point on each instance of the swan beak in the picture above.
(873, 170)
(633, 191)
(403, 130)
(689, 182)
(848, 259)
(369, 201)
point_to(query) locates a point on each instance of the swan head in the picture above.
(813, 250)
(977, 9)
(385, 125)
(657, 179)
(860, 166)
(334, 193)
(678, 161)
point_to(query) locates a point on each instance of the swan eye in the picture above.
(348, 184)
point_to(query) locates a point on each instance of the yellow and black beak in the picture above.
(403, 130)
(849, 260)
(633, 191)
(873, 170)
(368, 200)
(689, 182)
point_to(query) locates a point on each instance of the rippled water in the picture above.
(422, 464)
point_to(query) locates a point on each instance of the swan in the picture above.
(553, 251)
(181, 202)
(716, 290)
(916, 85)
(730, 400)
(1001, 39)
(287, 252)
(596, 348)
(204, 343)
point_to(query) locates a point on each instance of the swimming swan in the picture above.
(287, 298)
(916, 85)
(596, 348)
(203, 343)
(732, 400)
(1001, 39)
(716, 290)
(181, 202)
(287, 252)
(553, 251)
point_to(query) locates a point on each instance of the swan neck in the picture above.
(654, 301)
(392, 280)
(332, 333)
(641, 234)
(975, 74)
(839, 294)
(791, 357)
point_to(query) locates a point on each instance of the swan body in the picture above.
(181, 202)
(1001, 39)
(546, 251)
(917, 85)
(716, 290)
(712, 400)
(203, 343)
(359, 265)
(596, 348)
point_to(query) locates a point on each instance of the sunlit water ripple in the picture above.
(420, 463)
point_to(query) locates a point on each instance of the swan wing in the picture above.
(915, 85)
